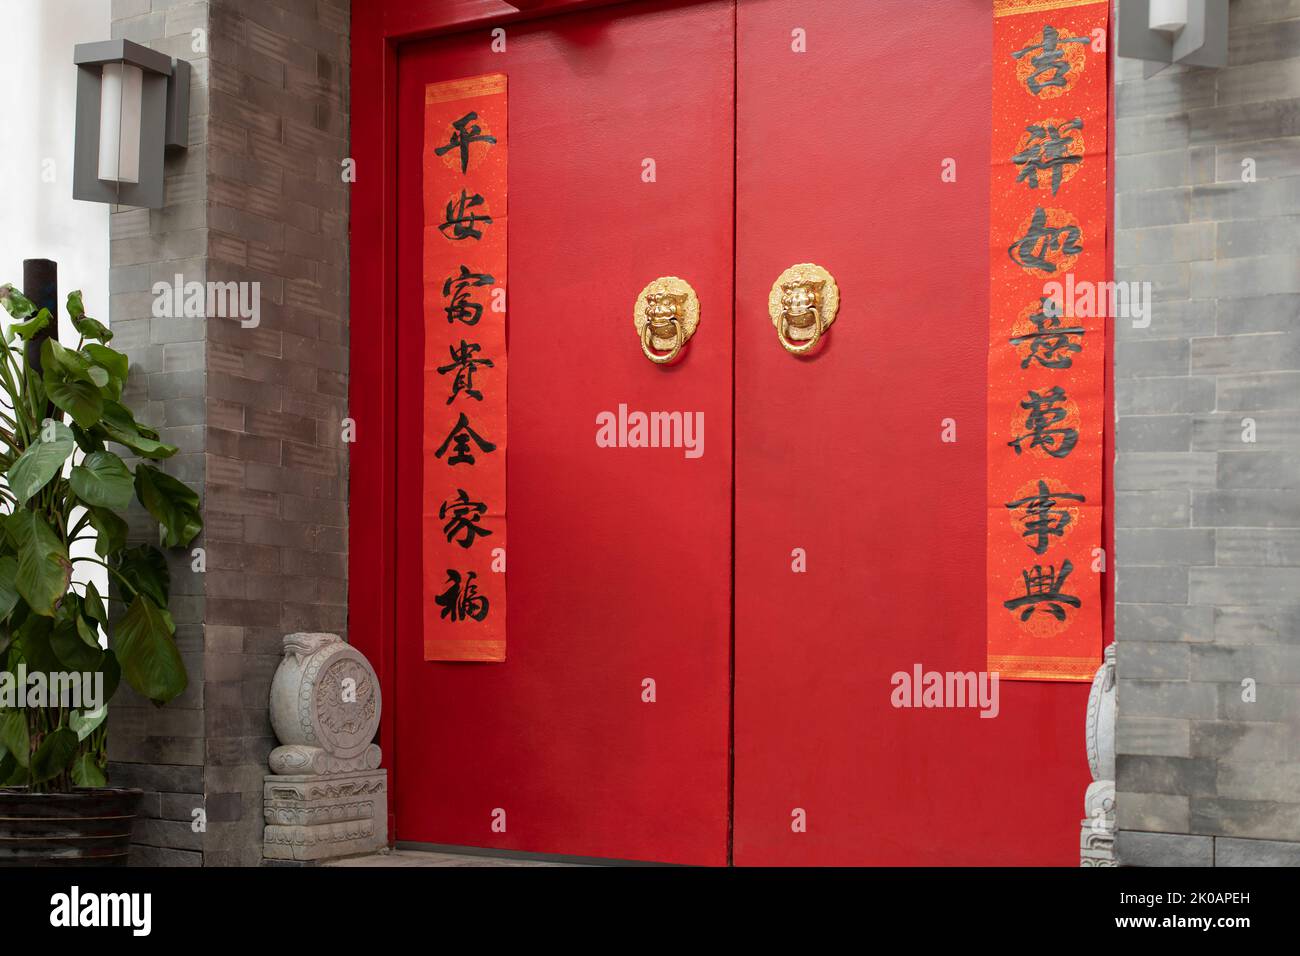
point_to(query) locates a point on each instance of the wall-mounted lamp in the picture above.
(132, 103)
(1191, 32)
(1170, 16)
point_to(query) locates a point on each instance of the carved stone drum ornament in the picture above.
(325, 697)
(1097, 830)
(803, 303)
(326, 795)
(666, 315)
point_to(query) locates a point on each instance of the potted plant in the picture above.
(62, 485)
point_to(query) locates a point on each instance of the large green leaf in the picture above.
(86, 772)
(81, 400)
(76, 305)
(103, 479)
(13, 734)
(74, 639)
(23, 525)
(43, 566)
(150, 661)
(87, 632)
(54, 357)
(112, 672)
(8, 585)
(41, 461)
(11, 773)
(85, 724)
(54, 755)
(25, 330)
(110, 531)
(120, 426)
(87, 441)
(145, 568)
(88, 327)
(70, 385)
(170, 501)
(93, 329)
(111, 360)
(70, 646)
(15, 303)
(34, 644)
(92, 602)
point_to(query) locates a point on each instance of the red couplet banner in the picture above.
(464, 519)
(1047, 335)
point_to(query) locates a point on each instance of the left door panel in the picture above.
(620, 170)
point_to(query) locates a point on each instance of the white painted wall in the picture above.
(39, 219)
(38, 88)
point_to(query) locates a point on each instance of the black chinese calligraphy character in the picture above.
(463, 307)
(1043, 414)
(467, 132)
(1045, 588)
(459, 438)
(460, 601)
(1049, 60)
(1048, 151)
(1051, 346)
(462, 223)
(464, 363)
(1031, 250)
(1043, 520)
(462, 516)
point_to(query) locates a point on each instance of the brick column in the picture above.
(258, 198)
(1208, 524)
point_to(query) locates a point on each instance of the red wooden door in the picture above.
(620, 558)
(839, 153)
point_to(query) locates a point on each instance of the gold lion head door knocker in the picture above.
(802, 304)
(666, 315)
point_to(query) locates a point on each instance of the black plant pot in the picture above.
(87, 827)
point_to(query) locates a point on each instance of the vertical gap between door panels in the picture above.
(731, 630)
(390, 85)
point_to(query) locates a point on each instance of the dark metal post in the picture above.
(41, 285)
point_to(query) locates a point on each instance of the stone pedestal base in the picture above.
(1097, 831)
(322, 816)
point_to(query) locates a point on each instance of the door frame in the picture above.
(379, 28)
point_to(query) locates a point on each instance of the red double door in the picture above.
(781, 132)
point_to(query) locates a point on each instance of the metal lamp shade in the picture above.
(132, 102)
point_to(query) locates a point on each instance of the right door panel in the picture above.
(839, 155)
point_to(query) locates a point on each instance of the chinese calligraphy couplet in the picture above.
(1046, 400)
(464, 519)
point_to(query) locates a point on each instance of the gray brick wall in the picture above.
(277, 393)
(1207, 524)
(258, 197)
(162, 750)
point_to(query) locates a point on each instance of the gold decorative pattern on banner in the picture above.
(453, 90)
(1006, 8)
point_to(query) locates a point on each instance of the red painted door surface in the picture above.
(619, 563)
(838, 162)
(621, 560)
